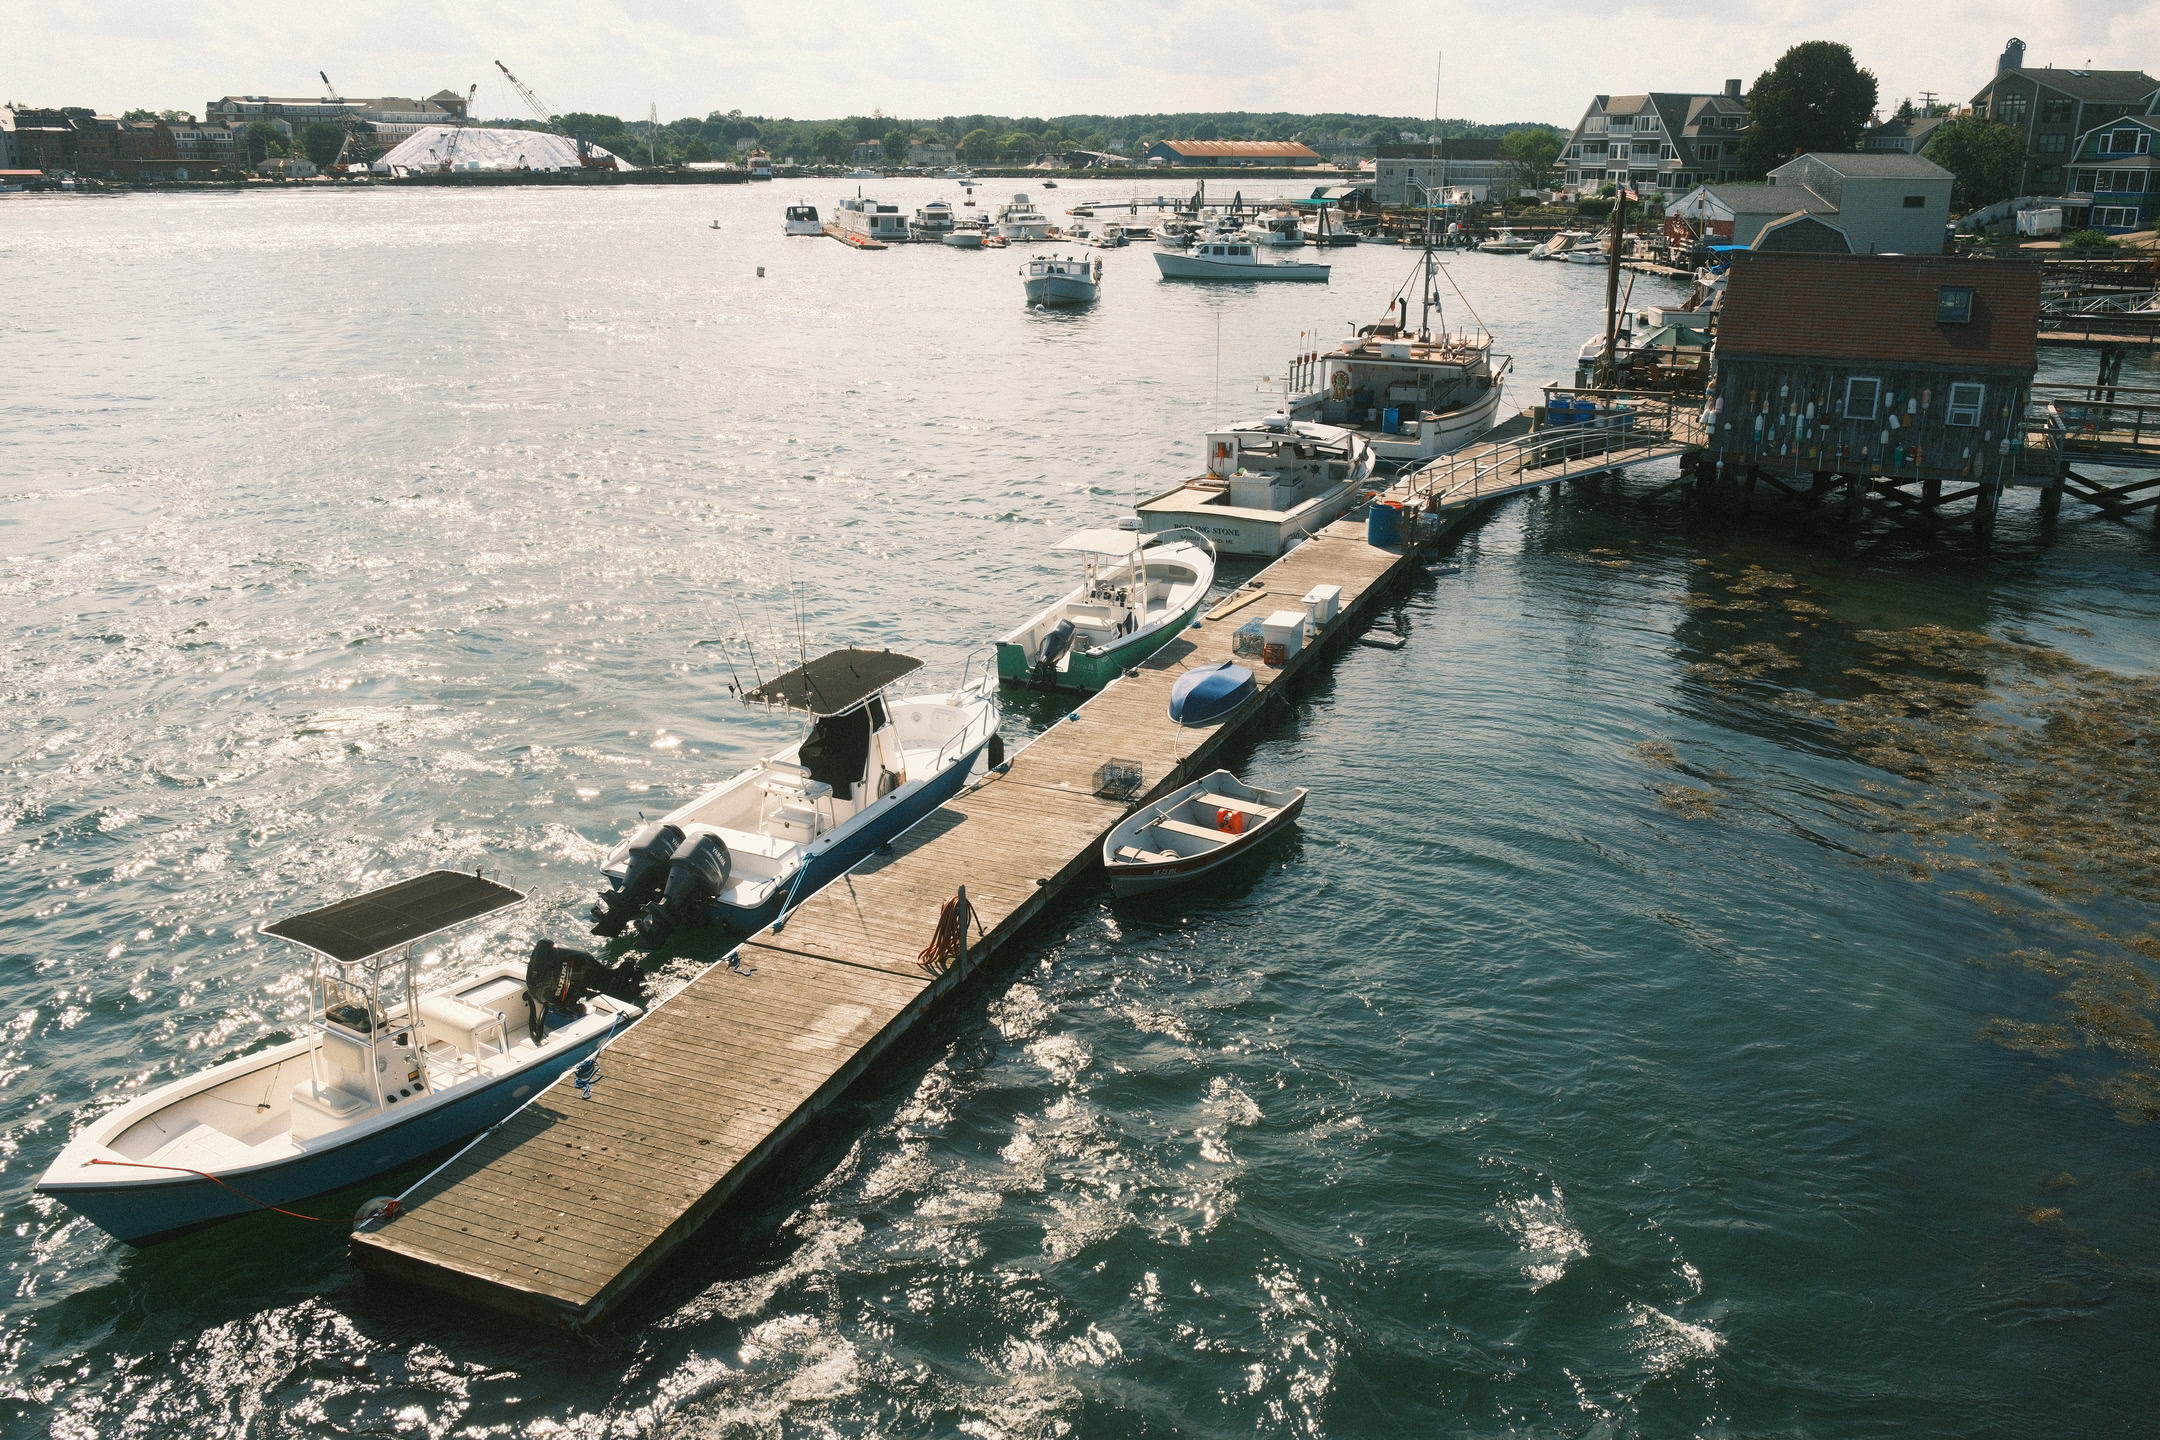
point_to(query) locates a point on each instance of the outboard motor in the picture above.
(695, 878)
(650, 850)
(1054, 645)
(557, 978)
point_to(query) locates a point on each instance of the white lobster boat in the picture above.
(1061, 280)
(384, 1076)
(1268, 485)
(1232, 260)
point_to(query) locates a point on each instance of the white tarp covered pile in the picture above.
(473, 148)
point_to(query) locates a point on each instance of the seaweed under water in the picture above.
(2031, 771)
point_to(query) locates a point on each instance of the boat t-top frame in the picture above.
(835, 682)
(366, 958)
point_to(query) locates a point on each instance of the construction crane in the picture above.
(450, 150)
(548, 117)
(329, 89)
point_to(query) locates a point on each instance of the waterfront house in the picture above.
(1883, 204)
(1225, 154)
(2112, 175)
(1663, 141)
(1902, 366)
(1403, 174)
(2052, 108)
(1902, 134)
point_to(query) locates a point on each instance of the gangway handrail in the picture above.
(1575, 449)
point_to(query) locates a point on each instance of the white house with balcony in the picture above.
(1661, 142)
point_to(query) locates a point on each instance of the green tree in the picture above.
(896, 143)
(1019, 146)
(978, 147)
(1096, 140)
(831, 145)
(140, 115)
(1987, 158)
(1814, 99)
(1383, 137)
(322, 141)
(261, 140)
(1530, 153)
(697, 152)
(1206, 130)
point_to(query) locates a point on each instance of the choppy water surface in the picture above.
(1712, 991)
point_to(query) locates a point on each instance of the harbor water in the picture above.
(1711, 990)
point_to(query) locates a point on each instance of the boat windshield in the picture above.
(345, 1002)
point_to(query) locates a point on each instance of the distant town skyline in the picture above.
(970, 56)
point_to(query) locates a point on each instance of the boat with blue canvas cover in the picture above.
(1211, 694)
(385, 1075)
(871, 764)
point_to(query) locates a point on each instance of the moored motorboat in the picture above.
(867, 224)
(1193, 830)
(1018, 219)
(1061, 280)
(871, 764)
(1507, 242)
(383, 1076)
(966, 235)
(1267, 485)
(933, 222)
(1135, 594)
(802, 220)
(1232, 260)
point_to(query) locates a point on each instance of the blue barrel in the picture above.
(1390, 421)
(1383, 524)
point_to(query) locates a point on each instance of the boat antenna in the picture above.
(1433, 173)
(1216, 418)
(742, 627)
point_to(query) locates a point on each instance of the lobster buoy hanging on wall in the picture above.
(1342, 384)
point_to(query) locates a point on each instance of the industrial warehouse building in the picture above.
(455, 147)
(1226, 154)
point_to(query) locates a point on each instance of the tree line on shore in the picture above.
(995, 139)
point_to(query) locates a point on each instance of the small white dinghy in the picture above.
(1191, 831)
(382, 1076)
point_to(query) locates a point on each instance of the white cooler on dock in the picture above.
(1321, 603)
(1285, 636)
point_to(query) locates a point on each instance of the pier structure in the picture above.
(566, 1207)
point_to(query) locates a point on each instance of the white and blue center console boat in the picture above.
(385, 1075)
(871, 765)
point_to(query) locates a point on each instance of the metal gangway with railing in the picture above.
(1616, 430)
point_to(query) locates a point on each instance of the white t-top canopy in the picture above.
(1115, 543)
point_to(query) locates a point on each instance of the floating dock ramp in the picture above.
(562, 1210)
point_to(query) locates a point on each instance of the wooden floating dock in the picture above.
(562, 1210)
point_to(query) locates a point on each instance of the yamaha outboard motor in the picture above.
(557, 978)
(650, 850)
(694, 881)
(1054, 645)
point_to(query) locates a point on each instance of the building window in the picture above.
(1916, 202)
(1965, 402)
(2126, 142)
(2115, 217)
(1953, 305)
(1861, 398)
(2057, 112)
(2054, 144)
(2010, 109)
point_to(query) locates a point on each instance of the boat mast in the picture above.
(1433, 140)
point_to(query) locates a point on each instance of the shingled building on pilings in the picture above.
(1875, 374)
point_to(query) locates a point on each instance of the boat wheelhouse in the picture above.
(760, 165)
(1277, 228)
(1267, 486)
(383, 1075)
(1136, 593)
(871, 764)
(802, 220)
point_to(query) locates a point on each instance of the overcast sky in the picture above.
(820, 58)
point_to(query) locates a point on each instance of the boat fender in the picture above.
(650, 850)
(997, 751)
(1230, 822)
(695, 879)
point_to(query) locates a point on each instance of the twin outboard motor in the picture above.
(650, 850)
(694, 880)
(557, 978)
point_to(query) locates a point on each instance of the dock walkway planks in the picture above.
(566, 1206)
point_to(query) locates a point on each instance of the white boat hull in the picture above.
(1438, 434)
(1197, 267)
(964, 239)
